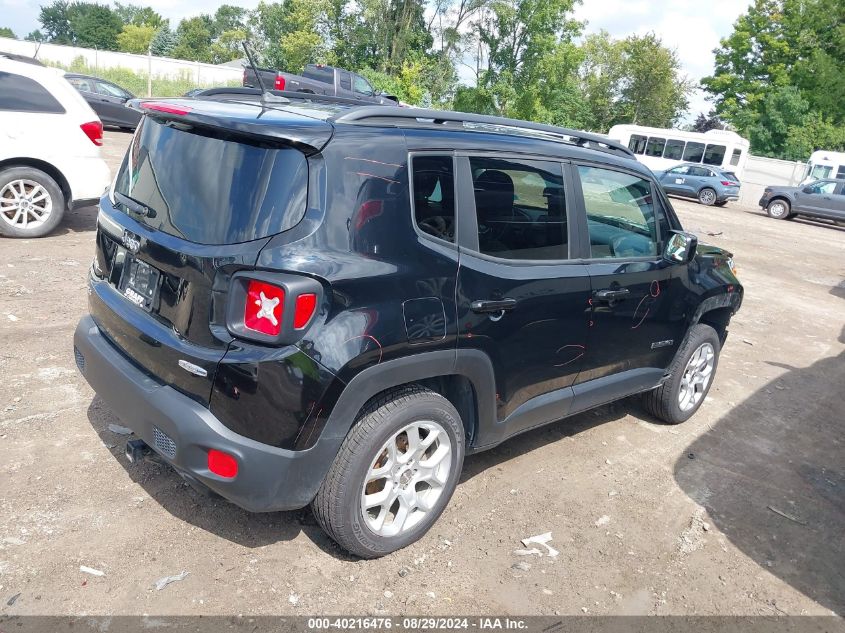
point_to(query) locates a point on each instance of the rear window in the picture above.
(22, 94)
(210, 190)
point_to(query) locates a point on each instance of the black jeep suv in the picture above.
(299, 301)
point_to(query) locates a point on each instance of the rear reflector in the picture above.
(303, 311)
(222, 464)
(263, 309)
(94, 131)
(168, 108)
(279, 84)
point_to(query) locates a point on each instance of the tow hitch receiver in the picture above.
(135, 450)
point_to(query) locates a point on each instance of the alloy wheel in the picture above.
(25, 204)
(406, 478)
(696, 376)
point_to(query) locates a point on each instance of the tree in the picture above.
(94, 25)
(7, 32)
(35, 36)
(600, 76)
(135, 39)
(783, 65)
(653, 92)
(55, 22)
(194, 39)
(164, 41)
(137, 15)
(705, 122)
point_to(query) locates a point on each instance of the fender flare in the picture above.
(473, 364)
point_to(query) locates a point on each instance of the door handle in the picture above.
(492, 306)
(612, 294)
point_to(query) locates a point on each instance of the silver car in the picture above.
(709, 185)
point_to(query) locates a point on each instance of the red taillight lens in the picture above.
(305, 307)
(264, 305)
(728, 183)
(222, 464)
(279, 84)
(94, 131)
(168, 108)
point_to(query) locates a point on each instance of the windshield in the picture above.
(210, 190)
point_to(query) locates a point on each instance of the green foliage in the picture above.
(55, 22)
(136, 82)
(35, 36)
(7, 32)
(194, 41)
(164, 41)
(135, 39)
(780, 75)
(94, 25)
(706, 122)
(137, 15)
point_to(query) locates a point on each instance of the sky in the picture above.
(692, 27)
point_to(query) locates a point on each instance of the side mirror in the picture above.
(680, 248)
(808, 190)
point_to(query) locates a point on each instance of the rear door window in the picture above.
(22, 94)
(520, 208)
(209, 190)
(434, 195)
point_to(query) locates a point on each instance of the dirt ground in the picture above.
(739, 511)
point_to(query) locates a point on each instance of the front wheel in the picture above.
(778, 209)
(394, 473)
(707, 196)
(690, 377)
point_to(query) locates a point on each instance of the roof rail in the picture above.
(419, 117)
(238, 92)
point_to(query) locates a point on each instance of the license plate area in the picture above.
(140, 283)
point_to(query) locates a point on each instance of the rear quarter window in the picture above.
(22, 94)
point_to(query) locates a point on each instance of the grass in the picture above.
(136, 82)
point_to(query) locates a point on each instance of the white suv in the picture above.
(50, 142)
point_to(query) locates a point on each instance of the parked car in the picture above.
(321, 80)
(708, 185)
(107, 99)
(819, 199)
(303, 323)
(49, 150)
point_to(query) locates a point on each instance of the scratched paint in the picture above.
(578, 350)
(365, 348)
(653, 293)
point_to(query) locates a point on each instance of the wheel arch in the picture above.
(464, 377)
(782, 198)
(716, 312)
(47, 168)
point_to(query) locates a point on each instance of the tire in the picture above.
(720, 204)
(779, 209)
(665, 402)
(707, 196)
(17, 186)
(339, 504)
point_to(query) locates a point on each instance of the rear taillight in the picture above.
(728, 183)
(94, 131)
(263, 310)
(304, 309)
(272, 308)
(279, 84)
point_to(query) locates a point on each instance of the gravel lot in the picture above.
(738, 511)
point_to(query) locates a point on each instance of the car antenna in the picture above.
(266, 95)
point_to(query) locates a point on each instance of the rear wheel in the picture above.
(690, 377)
(394, 473)
(31, 202)
(778, 209)
(707, 196)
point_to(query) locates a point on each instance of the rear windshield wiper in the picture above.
(133, 205)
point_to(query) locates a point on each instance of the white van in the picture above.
(50, 142)
(823, 165)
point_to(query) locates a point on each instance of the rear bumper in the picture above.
(268, 478)
(87, 176)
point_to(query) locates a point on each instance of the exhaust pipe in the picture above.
(135, 450)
